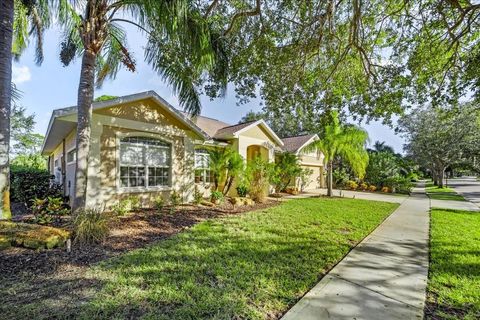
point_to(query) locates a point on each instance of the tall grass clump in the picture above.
(90, 226)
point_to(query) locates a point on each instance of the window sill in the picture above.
(143, 189)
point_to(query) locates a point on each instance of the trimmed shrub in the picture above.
(385, 189)
(340, 177)
(258, 175)
(242, 191)
(47, 210)
(31, 236)
(90, 226)
(27, 184)
(351, 185)
(284, 171)
(399, 184)
(363, 186)
(372, 188)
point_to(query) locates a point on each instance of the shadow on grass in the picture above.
(47, 283)
(251, 266)
(454, 277)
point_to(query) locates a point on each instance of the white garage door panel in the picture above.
(314, 180)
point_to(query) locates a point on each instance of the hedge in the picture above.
(27, 184)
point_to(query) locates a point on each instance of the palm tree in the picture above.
(382, 147)
(19, 20)
(93, 30)
(287, 168)
(218, 159)
(235, 167)
(346, 141)
(225, 165)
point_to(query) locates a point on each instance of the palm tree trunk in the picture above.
(330, 178)
(228, 185)
(6, 37)
(84, 116)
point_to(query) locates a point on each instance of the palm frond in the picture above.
(20, 29)
(31, 18)
(185, 57)
(16, 93)
(177, 71)
(346, 141)
(114, 54)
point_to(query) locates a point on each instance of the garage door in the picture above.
(314, 179)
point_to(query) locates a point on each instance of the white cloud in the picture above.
(21, 74)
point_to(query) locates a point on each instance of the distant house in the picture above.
(144, 146)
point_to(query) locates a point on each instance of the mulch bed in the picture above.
(27, 275)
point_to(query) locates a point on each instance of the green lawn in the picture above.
(454, 278)
(442, 193)
(251, 266)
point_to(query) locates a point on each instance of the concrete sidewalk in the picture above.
(455, 205)
(386, 197)
(384, 277)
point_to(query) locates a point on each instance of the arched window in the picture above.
(144, 162)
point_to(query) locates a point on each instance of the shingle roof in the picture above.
(119, 100)
(232, 129)
(209, 125)
(292, 144)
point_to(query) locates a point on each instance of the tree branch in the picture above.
(241, 14)
(211, 7)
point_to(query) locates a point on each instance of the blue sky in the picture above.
(51, 86)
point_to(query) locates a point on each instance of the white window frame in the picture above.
(75, 157)
(121, 189)
(203, 169)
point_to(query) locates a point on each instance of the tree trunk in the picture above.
(6, 38)
(441, 177)
(84, 116)
(330, 178)
(435, 177)
(228, 185)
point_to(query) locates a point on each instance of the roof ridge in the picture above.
(190, 115)
(301, 135)
(239, 124)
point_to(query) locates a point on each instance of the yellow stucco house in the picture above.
(142, 145)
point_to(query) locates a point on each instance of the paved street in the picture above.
(468, 187)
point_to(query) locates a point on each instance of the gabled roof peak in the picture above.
(296, 143)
